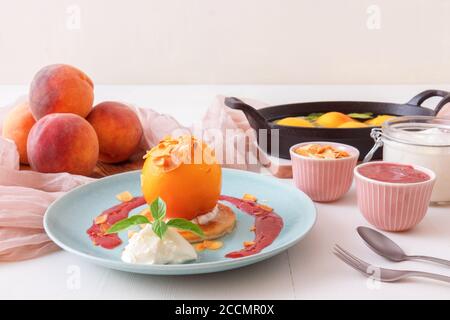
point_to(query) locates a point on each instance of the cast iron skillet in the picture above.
(357, 137)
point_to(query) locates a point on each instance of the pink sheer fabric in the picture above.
(24, 197)
(230, 134)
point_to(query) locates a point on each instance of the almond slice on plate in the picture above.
(199, 246)
(124, 196)
(101, 219)
(213, 244)
(249, 243)
(249, 197)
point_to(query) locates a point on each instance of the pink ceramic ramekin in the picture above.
(324, 180)
(393, 206)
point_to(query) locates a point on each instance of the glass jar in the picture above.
(419, 140)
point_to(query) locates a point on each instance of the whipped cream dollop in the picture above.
(207, 217)
(145, 247)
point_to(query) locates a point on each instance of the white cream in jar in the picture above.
(423, 141)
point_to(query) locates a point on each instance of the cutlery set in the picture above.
(388, 249)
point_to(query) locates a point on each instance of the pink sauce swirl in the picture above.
(268, 225)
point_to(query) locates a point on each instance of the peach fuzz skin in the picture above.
(63, 142)
(17, 126)
(118, 129)
(61, 88)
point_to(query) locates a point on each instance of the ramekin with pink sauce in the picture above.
(393, 196)
(324, 180)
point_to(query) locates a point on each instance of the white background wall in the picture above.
(229, 41)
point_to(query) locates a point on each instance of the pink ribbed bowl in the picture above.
(324, 180)
(393, 206)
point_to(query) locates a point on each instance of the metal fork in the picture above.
(382, 274)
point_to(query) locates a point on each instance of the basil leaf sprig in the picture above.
(314, 116)
(362, 116)
(159, 226)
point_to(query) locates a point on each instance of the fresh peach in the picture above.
(63, 142)
(61, 88)
(118, 129)
(16, 127)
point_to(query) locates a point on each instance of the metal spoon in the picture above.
(387, 248)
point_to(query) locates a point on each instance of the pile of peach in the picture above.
(59, 130)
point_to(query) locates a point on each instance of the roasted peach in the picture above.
(379, 120)
(61, 88)
(63, 142)
(332, 119)
(17, 126)
(353, 124)
(294, 122)
(185, 174)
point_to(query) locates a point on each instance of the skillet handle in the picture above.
(256, 120)
(427, 94)
(441, 104)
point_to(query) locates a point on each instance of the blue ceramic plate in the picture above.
(67, 220)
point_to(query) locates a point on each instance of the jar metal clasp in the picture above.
(376, 134)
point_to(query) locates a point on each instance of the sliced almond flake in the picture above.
(170, 153)
(170, 164)
(101, 219)
(213, 244)
(321, 152)
(199, 247)
(181, 153)
(124, 196)
(249, 243)
(147, 154)
(159, 161)
(302, 152)
(342, 154)
(329, 155)
(249, 197)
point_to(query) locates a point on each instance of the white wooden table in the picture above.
(308, 270)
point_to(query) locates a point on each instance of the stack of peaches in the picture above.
(59, 130)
